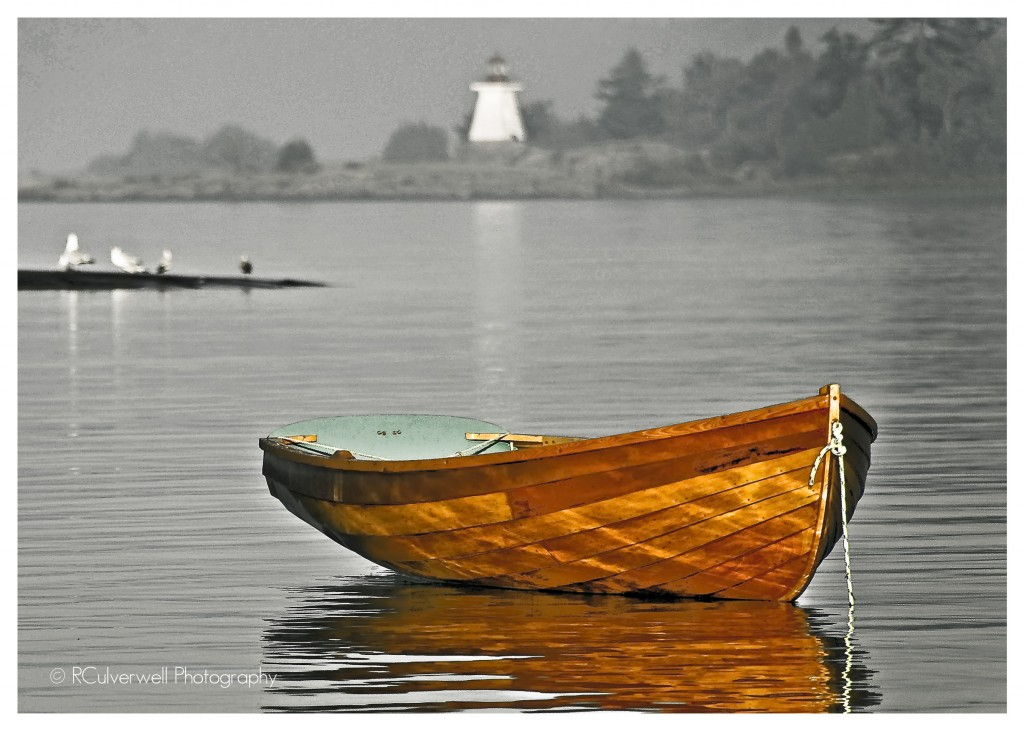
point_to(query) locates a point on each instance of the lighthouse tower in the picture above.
(496, 117)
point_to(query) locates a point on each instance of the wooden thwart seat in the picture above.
(521, 441)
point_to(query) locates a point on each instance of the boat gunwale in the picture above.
(650, 434)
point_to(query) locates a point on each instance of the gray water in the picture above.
(147, 538)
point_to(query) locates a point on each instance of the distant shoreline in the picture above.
(541, 187)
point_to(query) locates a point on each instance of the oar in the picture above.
(316, 447)
(326, 449)
(476, 449)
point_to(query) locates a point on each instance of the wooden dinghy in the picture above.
(719, 507)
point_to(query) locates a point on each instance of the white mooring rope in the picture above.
(835, 446)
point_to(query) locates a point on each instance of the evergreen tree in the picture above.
(921, 67)
(632, 103)
(840, 64)
(701, 113)
(794, 41)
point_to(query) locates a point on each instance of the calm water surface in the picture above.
(147, 538)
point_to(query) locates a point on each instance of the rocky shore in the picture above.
(629, 171)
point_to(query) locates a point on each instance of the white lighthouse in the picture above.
(496, 117)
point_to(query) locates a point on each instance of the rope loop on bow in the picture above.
(835, 446)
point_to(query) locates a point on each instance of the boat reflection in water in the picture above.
(382, 644)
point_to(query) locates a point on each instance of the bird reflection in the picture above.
(381, 644)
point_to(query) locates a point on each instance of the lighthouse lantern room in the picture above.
(496, 117)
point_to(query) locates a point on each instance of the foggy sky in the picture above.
(86, 86)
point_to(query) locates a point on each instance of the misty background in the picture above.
(237, 109)
(87, 86)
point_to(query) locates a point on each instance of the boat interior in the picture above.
(406, 436)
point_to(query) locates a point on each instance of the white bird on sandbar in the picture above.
(126, 262)
(72, 256)
(164, 265)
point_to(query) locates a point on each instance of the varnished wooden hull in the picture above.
(714, 508)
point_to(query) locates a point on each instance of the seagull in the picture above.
(245, 265)
(164, 265)
(125, 262)
(72, 257)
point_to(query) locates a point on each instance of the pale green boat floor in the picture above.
(397, 436)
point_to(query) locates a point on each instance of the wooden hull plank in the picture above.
(756, 563)
(582, 489)
(577, 521)
(387, 520)
(496, 507)
(771, 585)
(546, 498)
(350, 483)
(855, 436)
(552, 527)
(710, 554)
(645, 564)
(645, 527)
(579, 544)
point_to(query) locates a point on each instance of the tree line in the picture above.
(927, 95)
(231, 148)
